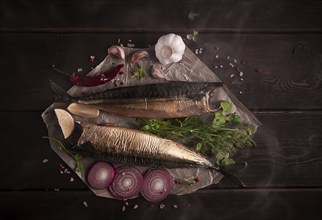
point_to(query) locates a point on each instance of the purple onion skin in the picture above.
(157, 185)
(123, 174)
(101, 175)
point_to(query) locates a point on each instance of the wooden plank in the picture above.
(288, 154)
(218, 204)
(231, 15)
(275, 68)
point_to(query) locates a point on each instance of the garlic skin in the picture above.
(169, 49)
(116, 51)
(138, 55)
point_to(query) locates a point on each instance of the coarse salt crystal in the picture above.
(232, 75)
(241, 73)
(196, 51)
(216, 67)
(232, 65)
(71, 179)
(235, 61)
(240, 92)
(135, 206)
(85, 204)
(123, 208)
(175, 206)
(228, 57)
(217, 56)
(56, 190)
(130, 45)
(221, 66)
(45, 160)
(162, 206)
(79, 70)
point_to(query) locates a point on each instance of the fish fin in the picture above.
(234, 179)
(59, 92)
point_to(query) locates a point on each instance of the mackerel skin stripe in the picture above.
(133, 143)
(173, 90)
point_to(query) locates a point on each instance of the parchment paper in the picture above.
(190, 68)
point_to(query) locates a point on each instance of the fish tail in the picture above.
(59, 92)
(232, 178)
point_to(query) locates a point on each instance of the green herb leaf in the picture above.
(224, 135)
(226, 106)
(79, 166)
(193, 36)
(139, 72)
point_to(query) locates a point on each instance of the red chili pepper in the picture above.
(89, 81)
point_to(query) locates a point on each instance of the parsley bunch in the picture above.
(218, 138)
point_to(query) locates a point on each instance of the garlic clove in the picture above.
(138, 55)
(116, 51)
(83, 110)
(157, 72)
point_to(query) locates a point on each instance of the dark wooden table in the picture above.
(276, 44)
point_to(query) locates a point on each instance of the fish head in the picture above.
(211, 100)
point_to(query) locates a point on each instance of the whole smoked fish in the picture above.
(174, 99)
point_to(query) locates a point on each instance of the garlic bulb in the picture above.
(169, 49)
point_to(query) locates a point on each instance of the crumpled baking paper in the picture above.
(190, 68)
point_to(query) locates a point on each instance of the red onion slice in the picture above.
(157, 185)
(101, 175)
(128, 182)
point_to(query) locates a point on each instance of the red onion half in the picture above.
(128, 182)
(101, 175)
(157, 185)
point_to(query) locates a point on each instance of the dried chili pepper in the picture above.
(88, 81)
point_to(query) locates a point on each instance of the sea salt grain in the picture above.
(162, 206)
(79, 70)
(123, 208)
(232, 75)
(241, 73)
(45, 160)
(175, 206)
(135, 206)
(85, 204)
(71, 179)
(196, 51)
(217, 56)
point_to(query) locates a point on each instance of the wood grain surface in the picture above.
(268, 53)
